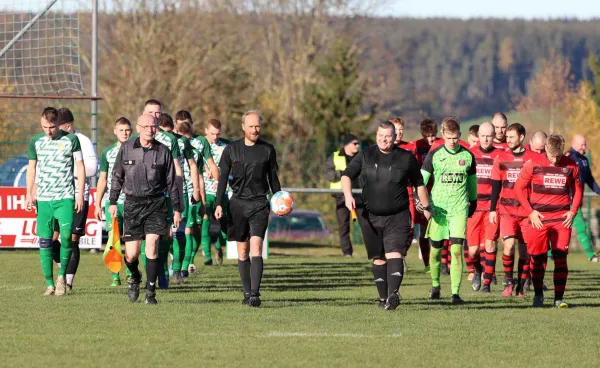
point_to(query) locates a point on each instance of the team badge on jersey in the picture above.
(565, 170)
(61, 146)
(461, 162)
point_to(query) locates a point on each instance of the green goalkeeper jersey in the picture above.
(455, 179)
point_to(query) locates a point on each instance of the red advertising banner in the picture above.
(18, 226)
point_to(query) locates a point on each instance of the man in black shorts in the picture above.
(252, 164)
(144, 170)
(386, 171)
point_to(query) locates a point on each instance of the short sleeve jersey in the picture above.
(451, 170)
(55, 161)
(201, 144)
(507, 167)
(217, 151)
(107, 162)
(484, 163)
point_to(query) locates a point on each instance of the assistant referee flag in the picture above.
(112, 253)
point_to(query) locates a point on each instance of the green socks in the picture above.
(47, 261)
(456, 268)
(163, 256)
(179, 245)
(196, 239)
(143, 253)
(205, 239)
(435, 263)
(187, 255)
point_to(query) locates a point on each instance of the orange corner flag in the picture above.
(112, 253)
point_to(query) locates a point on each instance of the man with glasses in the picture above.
(144, 170)
(335, 165)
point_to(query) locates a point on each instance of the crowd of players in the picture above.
(527, 195)
(493, 186)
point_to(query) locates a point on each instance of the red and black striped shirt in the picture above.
(551, 186)
(410, 147)
(484, 163)
(507, 166)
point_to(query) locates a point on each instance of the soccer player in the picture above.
(122, 131)
(551, 178)
(480, 232)
(454, 199)
(90, 161)
(52, 156)
(410, 147)
(212, 129)
(191, 195)
(144, 171)
(388, 171)
(252, 164)
(577, 153)
(473, 138)
(211, 170)
(500, 122)
(537, 143)
(510, 215)
(429, 132)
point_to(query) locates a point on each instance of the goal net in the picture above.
(39, 48)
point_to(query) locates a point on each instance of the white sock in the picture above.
(70, 279)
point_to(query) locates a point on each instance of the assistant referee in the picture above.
(386, 171)
(144, 170)
(252, 164)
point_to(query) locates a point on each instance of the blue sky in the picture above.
(583, 9)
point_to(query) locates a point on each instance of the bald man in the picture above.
(577, 153)
(500, 123)
(144, 170)
(481, 233)
(537, 143)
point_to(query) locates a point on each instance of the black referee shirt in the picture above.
(144, 172)
(386, 177)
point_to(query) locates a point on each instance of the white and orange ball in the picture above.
(282, 203)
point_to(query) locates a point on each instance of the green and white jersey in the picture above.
(452, 171)
(185, 147)
(217, 151)
(107, 162)
(201, 144)
(55, 161)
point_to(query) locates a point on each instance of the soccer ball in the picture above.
(282, 203)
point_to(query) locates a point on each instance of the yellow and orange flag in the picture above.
(112, 253)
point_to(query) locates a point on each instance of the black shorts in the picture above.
(247, 218)
(142, 216)
(385, 234)
(79, 220)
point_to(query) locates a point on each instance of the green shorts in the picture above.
(444, 228)
(193, 217)
(109, 217)
(211, 204)
(62, 210)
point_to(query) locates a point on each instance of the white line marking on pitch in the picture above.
(323, 334)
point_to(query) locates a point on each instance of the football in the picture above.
(282, 203)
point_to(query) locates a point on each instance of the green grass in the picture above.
(318, 310)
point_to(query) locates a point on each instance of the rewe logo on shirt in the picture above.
(555, 181)
(484, 171)
(513, 175)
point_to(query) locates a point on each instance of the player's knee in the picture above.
(379, 261)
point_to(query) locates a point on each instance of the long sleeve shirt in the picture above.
(144, 172)
(585, 173)
(253, 170)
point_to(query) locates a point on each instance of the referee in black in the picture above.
(144, 170)
(252, 165)
(386, 171)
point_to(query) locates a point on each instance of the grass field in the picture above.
(318, 310)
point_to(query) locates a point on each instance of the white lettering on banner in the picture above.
(484, 171)
(555, 181)
(513, 175)
(16, 202)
